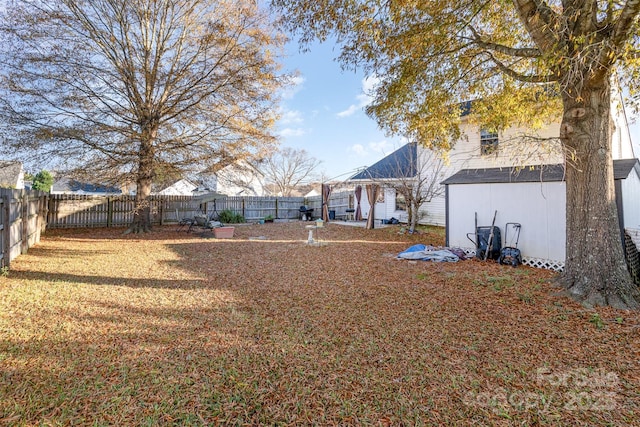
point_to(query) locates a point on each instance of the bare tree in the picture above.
(288, 168)
(112, 88)
(424, 186)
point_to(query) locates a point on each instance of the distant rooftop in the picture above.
(397, 165)
(10, 174)
(68, 185)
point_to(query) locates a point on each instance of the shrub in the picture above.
(230, 217)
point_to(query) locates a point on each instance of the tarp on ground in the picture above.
(422, 252)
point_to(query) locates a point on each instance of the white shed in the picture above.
(534, 197)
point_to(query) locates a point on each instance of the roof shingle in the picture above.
(397, 165)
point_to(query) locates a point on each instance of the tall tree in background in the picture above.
(42, 181)
(521, 61)
(288, 168)
(115, 87)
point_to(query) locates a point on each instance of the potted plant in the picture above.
(268, 218)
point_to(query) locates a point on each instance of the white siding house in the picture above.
(385, 206)
(514, 147)
(397, 169)
(240, 179)
(182, 187)
(66, 185)
(11, 175)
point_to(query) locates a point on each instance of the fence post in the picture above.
(109, 212)
(43, 202)
(24, 209)
(50, 211)
(277, 208)
(6, 231)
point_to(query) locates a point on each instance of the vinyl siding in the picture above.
(631, 200)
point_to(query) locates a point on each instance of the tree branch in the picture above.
(623, 26)
(526, 78)
(540, 21)
(525, 52)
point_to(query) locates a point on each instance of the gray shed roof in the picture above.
(539, 173)
(397, 165)
(10, 173)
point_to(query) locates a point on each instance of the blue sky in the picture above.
(323, 114)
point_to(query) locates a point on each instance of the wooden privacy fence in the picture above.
(22, 220)
(76, 211)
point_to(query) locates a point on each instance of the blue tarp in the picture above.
(428, 253)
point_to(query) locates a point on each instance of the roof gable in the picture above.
(10, 174)
(182, 187)
(402, 163)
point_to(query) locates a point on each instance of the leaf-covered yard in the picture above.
(170, 328)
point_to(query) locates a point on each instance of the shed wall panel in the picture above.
(631, 200)
(539, 207)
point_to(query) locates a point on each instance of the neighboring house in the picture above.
(520, 178)
(183, 187)
(396, 168)
(11, 175)
(71, 186)
(312, 190)
(240, 179)
(476, 150)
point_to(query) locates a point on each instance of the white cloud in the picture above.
(372, 149)
(349, 111)
(369, 84)
(358, 149)
(288, 132)
(384, 147)
(291, 116)
(295, 85)
(365, 98)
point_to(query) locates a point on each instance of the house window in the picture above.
(401, 202)
(488, 142)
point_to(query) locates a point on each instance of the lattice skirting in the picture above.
(632, 255)
(531, 262)
(547, 264)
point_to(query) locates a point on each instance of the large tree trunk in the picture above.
(142, 209)
(595, 270)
